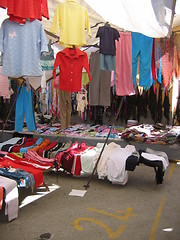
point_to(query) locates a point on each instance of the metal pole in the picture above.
(95, 167)
(4, 125)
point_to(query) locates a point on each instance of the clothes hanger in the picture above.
(83, 90)
(107, 24)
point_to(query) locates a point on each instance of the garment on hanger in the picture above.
(1, 59)
(166, 106)
(81, 98)
(21, 46)
(72, 18)
(20, 10)
(153, 65)
(85, 78)
(142, 46)
(4, 86)
(123, 74)
(107, 36)
(24, 106)
(47, 58)
(65, 108)
(100, 85)
(168, 60)
(71, 62)
(1, 196)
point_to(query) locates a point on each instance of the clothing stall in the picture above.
(67, 98)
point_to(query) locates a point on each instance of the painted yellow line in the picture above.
(161, 205)
(124, 215)
(171, 171)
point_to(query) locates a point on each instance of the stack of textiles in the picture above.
(91, 130)
(48, 128)
(146, 133)
(150, 134)
(12, 161)
(26, 159)
(11, 197)
(115, 161)
(80, 130)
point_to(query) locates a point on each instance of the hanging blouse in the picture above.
(22, 46)
(72, 18)
(107, 36)
(20, 10)
(71, 62)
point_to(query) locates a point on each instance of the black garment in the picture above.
(47, 153)
(130, 107)
(159, 105)
(152, 104)
(131, 162)
(166, 106)
(177, 114)
(97, 114)
(142, 103)
(157, 165)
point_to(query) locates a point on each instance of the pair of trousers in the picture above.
(65, 108)
(142, 46)
(100, 85)
(24, 106)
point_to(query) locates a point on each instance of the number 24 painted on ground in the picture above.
(123, 216)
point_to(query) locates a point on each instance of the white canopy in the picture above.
(150, 17)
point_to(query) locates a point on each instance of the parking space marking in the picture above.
(160, 208)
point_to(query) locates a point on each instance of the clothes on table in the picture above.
(11, 197)
(4, 146)
(65, 158)
(11, 160)
(116, 170)
(45, 142)
(27, 143)
(24, 149)
(23, 178)
(32, 156)
(45, 151)
(88, 158)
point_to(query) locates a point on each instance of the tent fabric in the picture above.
(149, 17)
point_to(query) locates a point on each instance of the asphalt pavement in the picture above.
(140, 210)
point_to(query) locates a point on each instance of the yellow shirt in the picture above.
(72, 19)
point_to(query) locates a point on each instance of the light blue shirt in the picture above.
(22, 46)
